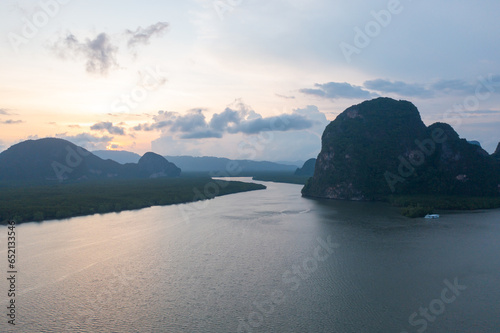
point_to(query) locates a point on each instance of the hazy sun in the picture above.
(113, 146)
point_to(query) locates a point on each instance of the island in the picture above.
(380, 150)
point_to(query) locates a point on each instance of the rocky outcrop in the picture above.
(307, 169)
(381, 147)
(153, 166)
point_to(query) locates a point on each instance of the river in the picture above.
(261, 261)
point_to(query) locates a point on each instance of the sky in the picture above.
(243, 79)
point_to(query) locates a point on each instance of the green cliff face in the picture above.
(382, 147)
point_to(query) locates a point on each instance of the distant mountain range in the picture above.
(218, 164)
(58, 160)
(206, 163)
(119, 156)
(52, 159)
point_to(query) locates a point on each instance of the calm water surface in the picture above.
(263, 261)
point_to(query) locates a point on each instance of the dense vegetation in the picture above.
(45, 202)
(420, 205)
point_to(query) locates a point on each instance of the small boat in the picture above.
(432, 216)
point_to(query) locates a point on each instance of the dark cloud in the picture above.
(455, 86)
(108, 126)
(208, 134)
(87, 141)
(317, 92)
(238, 118)
(283, 123)
(333, 90)
(143, 35)
(99, 52)
(221, 121)
(12, 122)
(193, 121)
(152, 127)
(398, 87)
(460, 86)
(338, 90)
(4, 112)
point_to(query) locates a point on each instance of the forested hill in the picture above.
(56, 160)
(381, 147)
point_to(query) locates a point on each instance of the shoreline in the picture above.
(59, 202)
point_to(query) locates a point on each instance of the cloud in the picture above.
(108, 126)
(449, 86)
(12, 122)
(4, 112)
(371, 88)
(207, 134)
(191, 122)
(338, 90)
(282, 123)
(221, 121)
(273, 146)
(482, 113)
(398, 87)
(142, 36)
(151, 127)
(237, 118)
(285, 97)
(99, 52)
(87, 141)
(490, 82)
